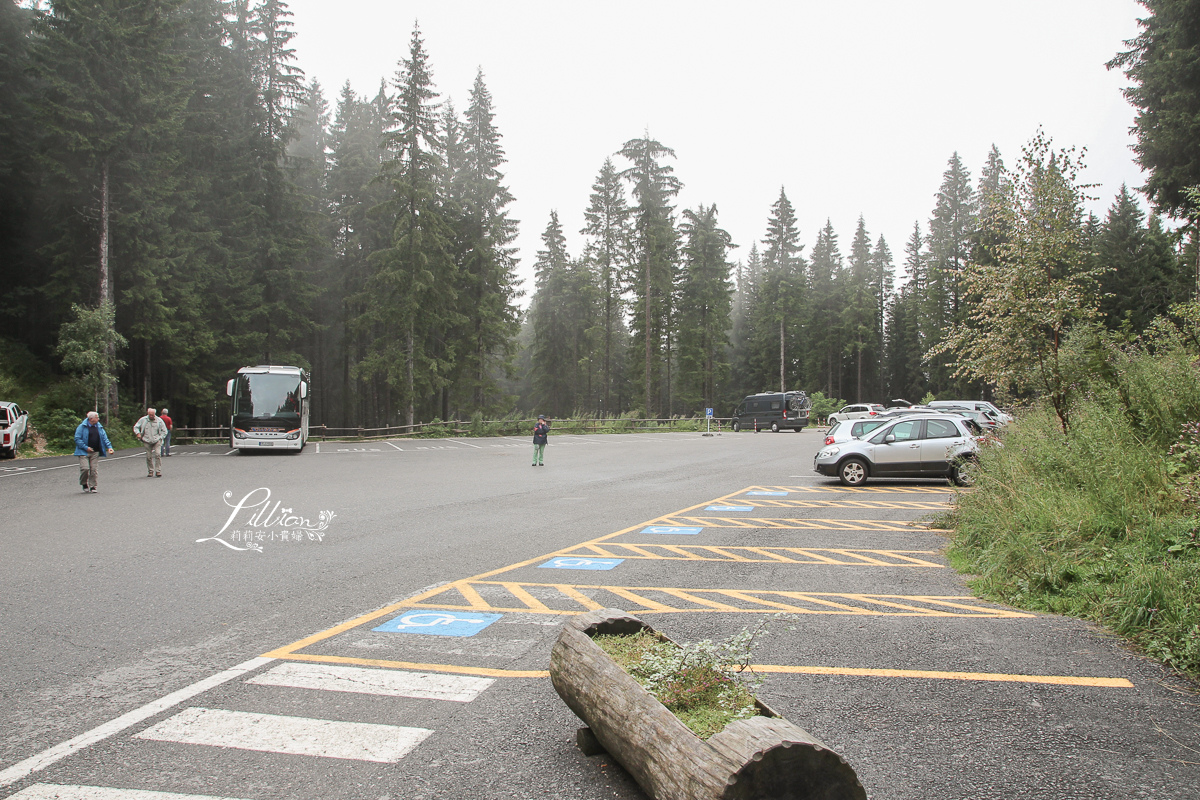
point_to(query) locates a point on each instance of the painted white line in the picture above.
(231, 452)
(31, 470)
(392, 683)
(48, 791)
(300, 736)
(47, 757)
(468, 444)
(318, 448)
(401, 449)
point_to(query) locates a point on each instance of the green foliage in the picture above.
(698, 681)
(1162, 64)
(823, 406)
(1039, 286)
(1092, 524)
(88, 346)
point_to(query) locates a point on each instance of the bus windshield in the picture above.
(266, 396)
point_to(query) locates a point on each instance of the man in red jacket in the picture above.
(166, 445)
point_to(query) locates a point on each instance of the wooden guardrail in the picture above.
(503, 427)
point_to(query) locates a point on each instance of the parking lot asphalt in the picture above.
(182, 634)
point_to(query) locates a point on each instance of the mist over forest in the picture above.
(176, 192)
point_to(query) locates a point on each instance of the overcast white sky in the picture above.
(853, 107)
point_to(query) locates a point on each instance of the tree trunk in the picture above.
(782, 379)
(646, 303)
(408, 366)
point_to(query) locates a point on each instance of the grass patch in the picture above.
(691, 681)
(1091, 525)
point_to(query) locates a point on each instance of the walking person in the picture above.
(150, 431)
(539, 440)
(166, 445)
(91, 444)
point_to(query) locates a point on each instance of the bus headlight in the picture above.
(238, 434)
(294, 435)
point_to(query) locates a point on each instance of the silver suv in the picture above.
(913, 446)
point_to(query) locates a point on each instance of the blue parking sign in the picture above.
(575, 562)
(435, 622)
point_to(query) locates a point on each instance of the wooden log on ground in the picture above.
(753, 759)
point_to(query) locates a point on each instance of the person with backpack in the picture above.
(540, 432)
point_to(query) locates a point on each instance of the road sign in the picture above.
(435, 622)
(672, 529)
(708, 412)
(572, 562)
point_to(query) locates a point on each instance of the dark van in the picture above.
(774, 410)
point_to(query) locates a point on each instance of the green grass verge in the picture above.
(1090, 525)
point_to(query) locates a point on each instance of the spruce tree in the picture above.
(705, 305)
(1142, 276)
(783, 288)
(409, 298)
(488, 271)
(655, 264)
(607, 228)
(553, 363)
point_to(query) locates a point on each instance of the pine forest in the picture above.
(178, 200)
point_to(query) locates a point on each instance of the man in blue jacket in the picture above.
(91, 444)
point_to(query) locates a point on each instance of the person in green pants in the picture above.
(539, 440)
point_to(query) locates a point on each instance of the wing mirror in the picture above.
(891, 437)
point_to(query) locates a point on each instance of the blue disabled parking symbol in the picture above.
(672, 529)
(435, 622)
(574, 562)
(768, 494)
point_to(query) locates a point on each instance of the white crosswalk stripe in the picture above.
(47, 791)
(391, 683)
(271, 733)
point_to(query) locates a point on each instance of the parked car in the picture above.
(852, 429)
(976, 405)
(774, 410)
(856, 411)
(14, 427)
(986, 420)
(912, 446)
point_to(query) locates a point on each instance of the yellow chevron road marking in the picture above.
(808, 524)
(830, 556)
(901, 505)
(556, 598)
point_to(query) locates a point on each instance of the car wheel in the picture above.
(774, 427)
(737, 426)
(962, 473)
(853, 472)
(831, 421)
(798, 430)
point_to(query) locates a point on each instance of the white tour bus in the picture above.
(270, 408)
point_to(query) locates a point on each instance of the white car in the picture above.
(856, 411)
(974, 405)
(852, 429)
(14, 427)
